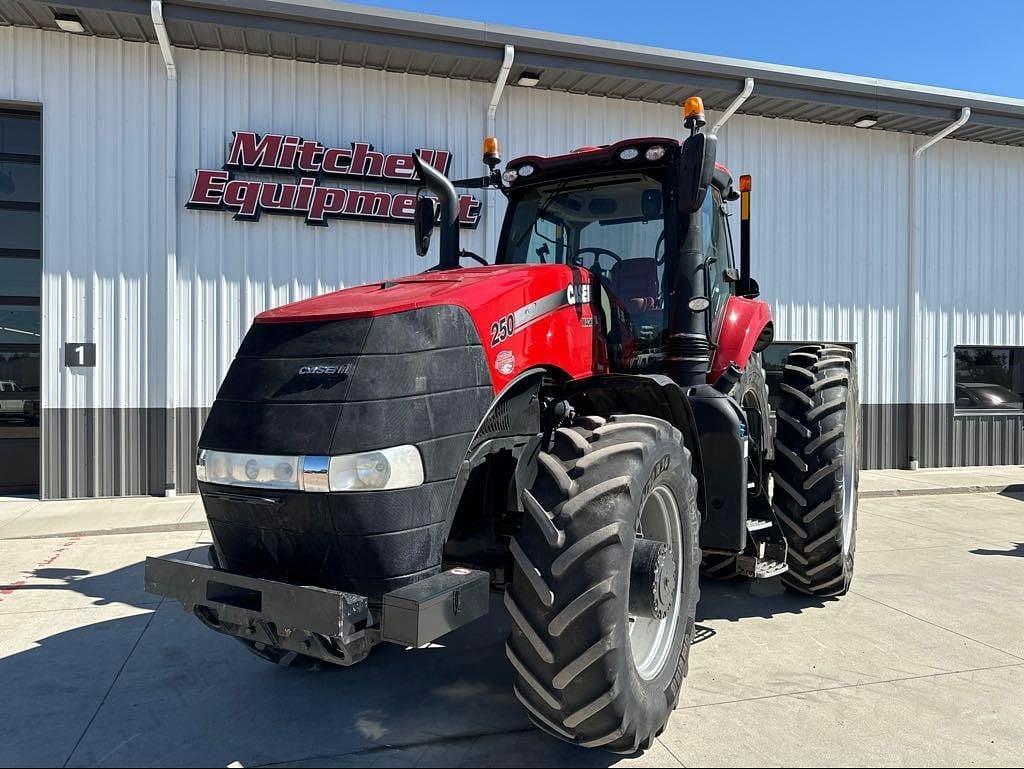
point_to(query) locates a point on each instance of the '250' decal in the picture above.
(502, 329)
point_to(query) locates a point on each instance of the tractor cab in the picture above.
(613, 211)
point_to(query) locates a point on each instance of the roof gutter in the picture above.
(499, 87)
(965, 115)
(913, 295)
(748, 88)
(492, 111)
(167, 383)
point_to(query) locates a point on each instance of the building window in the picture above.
(989, 379)
(20, 320)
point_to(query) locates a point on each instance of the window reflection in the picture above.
(20, 320)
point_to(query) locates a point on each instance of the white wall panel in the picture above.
(103, 226)
(971, 256)
(829, 237)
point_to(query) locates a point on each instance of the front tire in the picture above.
(816, 468)
(592, 668)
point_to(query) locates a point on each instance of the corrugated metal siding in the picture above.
(229, 270)
(971, 257)
(101, 452)
(830, 235)
(970, 283)
(102, 121)
(103, 118)
(883, 435)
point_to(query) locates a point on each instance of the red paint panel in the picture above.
(561, 337)
(737, 330)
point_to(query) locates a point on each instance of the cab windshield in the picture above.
(613, 226)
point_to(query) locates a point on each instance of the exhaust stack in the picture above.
(448, 201)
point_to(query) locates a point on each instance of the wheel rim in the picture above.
(849, 477)
(650, 640)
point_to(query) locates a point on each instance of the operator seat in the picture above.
(634, 282)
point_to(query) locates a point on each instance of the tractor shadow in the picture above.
(734, 600)
(124, 679)
(1015, 491)
(131, 681)
(1017, 551)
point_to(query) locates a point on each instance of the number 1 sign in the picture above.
(80, 354)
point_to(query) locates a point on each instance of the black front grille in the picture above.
(339, 387)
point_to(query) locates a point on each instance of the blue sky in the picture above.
(974, 46)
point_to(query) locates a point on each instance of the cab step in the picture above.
(768, 569)
(760, 568)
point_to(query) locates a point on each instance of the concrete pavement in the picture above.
(922, 664)
(941, 480)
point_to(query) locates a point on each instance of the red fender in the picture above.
(739, 327)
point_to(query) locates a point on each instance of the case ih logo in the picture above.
(311, 162)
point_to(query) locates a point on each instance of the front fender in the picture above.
(744, 327)
(652, 395)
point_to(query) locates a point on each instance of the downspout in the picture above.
(913, 295)
(492, 110)
(748, 88)
(171, 262)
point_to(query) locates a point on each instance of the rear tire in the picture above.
(587, 671)
(816, 468)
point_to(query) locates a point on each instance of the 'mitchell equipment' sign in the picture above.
(310, 163)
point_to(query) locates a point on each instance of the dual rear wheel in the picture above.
(815, 469)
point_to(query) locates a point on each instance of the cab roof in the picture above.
(605, 157)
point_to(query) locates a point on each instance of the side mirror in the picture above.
(423, 224)
(696, 168)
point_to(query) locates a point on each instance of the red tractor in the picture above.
(583, 425)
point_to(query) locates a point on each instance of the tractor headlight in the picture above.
(526, 170)
(657, 152)
(510, 176)
(266, 471)
(629, 153)
(396, 468)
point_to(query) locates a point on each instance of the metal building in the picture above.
(121, 308)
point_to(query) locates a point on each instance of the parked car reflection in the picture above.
(985, 395)
(18, 403)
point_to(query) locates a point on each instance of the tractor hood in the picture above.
(471, 288)
(500, 301)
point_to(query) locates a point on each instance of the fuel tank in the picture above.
(415, 362)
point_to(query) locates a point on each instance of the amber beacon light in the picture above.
(492, 151)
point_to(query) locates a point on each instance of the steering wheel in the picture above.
(598, 252)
